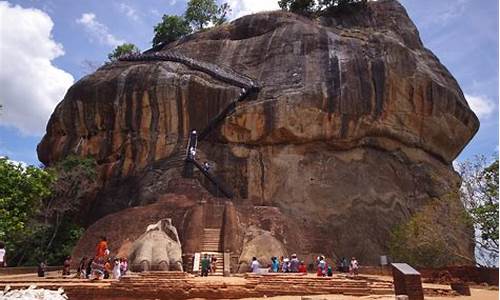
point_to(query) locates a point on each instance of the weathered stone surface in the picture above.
(159, 248)
(260, 244)
(354, 129)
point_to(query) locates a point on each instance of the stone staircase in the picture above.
(301, 284)
(211, 240)
(219, 266)
(211, 246)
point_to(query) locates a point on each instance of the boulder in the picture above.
(353, 130)
(262, 245)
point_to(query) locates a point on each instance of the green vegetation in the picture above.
(39, 208)
(21, 190)
(121, 50)
(479, 193)
(170, 29)
(321, 7)
(198, 16)
(200, 13)
(431, 236)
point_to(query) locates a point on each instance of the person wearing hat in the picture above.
(294, 264)
(285, 268)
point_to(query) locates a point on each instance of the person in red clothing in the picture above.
(302, 267)
(102, 248)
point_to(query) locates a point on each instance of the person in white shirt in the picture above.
(255, 266)
(116, 269)
(2, 255)
(353, 268)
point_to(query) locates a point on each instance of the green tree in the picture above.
(200, 13)
(433, 236)
(123, 49)
(321, 7)
(21, 189)
(479, 193)
(298, 6)
(170, 29)
(39, 208)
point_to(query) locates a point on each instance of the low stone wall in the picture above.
(464, 273)
(26, 270)
(375, 270)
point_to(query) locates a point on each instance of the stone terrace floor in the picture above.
(178, 285)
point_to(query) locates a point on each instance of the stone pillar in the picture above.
(230, 228)
(193, 238)
(227, 264)
(407, 281)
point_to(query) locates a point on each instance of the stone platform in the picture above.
(180, 285)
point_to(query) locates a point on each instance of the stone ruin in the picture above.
(159, 248)
(322, 136)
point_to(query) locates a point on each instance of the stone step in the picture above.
(219, 265)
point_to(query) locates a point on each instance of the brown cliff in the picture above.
(353, 130)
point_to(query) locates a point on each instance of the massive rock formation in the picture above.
(353, 130)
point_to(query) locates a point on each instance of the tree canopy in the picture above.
(479, 193)
(320, 7)
(199, 15)
(170, 29)
(20, 192)
(39, 208)
(123, 49)
(429, 238)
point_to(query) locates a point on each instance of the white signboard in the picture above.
(196, 263)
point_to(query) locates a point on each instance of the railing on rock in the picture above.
(224, 74)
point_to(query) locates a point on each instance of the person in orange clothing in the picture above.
(102, 248)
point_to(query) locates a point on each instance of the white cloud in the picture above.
(481, 105)
(31, 85)
(245, 7)
(129, 11)
(98, 31)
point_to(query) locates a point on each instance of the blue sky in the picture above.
(44, 46)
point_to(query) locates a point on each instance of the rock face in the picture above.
(353, 130)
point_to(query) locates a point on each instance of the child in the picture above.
(123, 266)
(329, 273)
(116, 269)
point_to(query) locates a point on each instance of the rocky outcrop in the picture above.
(260, 244)
(353, 130)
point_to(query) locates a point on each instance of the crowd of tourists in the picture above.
(101, 266)
(295, 265)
